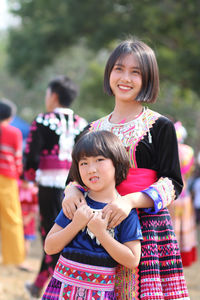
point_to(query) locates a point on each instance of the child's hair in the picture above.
(148, 67)
(105, 143)
(65, 88)
(7, 109)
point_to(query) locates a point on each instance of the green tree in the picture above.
(171, 27)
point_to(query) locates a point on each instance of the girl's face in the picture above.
(97, 172)
(126, 78)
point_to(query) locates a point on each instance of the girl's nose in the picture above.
(91, 168)
(126, 76)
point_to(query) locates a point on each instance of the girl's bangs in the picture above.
(89, 147)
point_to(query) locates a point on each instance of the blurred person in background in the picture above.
(182, 210)
(48, 160)
(28, 196)
(11, 224)
(195, 192)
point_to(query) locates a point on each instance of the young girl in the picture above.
(86, 269)
(154, 180)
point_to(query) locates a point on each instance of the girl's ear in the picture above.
(55, 98)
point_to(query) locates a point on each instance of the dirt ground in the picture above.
(12, 280)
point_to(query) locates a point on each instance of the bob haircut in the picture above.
(105, 143)
(148, 67)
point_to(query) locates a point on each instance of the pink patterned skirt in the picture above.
(77, 281)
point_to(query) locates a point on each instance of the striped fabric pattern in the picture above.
(161, 270)
(72, 280)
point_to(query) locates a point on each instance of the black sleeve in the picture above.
(168, 164)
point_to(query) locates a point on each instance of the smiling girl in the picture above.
(154, 181)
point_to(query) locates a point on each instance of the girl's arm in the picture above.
(34, 145)
(127, 254)
(59, 237)
(169, 184)
(122, 206)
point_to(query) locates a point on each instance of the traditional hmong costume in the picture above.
(85, 270)
(47, 161)
(151, 144)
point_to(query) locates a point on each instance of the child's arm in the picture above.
(127, 254)
(58, 237)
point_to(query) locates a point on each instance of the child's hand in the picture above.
(82, 216)
(120, 207)
(98, 224)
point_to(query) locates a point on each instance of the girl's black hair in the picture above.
(148, 67)
(105, 143)
(7, 109)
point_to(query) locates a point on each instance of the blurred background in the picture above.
(43, 38)
(40, 39)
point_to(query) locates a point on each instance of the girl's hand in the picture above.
(120, 208)
(98, 223)
(82, 216)
(72, 200)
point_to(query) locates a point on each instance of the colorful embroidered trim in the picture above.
(126, 286)
(166, 190)
(85, 276)
(130, 133)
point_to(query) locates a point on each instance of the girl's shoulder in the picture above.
(160, 121)
(95, 125)
(159, 117)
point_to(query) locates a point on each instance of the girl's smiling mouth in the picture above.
(124, 87)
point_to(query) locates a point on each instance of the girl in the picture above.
(154, 180)
(86, 268)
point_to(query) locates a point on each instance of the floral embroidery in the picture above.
(130, 133)
(166, 190)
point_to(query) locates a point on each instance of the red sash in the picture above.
(137, 180)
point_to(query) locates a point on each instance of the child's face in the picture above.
(126, 78)
(97, 172)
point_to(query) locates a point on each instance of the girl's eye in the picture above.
(136, 72)
(100, 159)
(83, 163)
(117, 68)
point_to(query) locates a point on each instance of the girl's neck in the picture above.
(6, 122)
(103, 196)
(126, 113)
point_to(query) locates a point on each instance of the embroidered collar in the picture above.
(63, 110)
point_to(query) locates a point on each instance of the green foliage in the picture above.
(171, 27)
(75, 37)
(181, 105)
